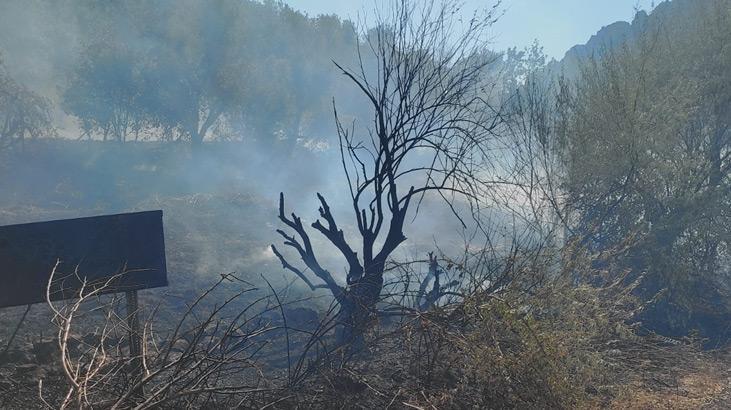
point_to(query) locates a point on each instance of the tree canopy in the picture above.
(23, 113)
(644, 134)
(205, 70)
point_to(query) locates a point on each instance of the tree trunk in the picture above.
(357, 308)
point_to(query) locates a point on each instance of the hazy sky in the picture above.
(558, 24)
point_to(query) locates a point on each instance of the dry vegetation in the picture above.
(555, 346)
(550, 311)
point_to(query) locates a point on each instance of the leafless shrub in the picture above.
(208, 358)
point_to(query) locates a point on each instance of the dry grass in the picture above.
(485, 353)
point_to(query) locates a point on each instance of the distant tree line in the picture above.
(197, 70)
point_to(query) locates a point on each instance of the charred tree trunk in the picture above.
(358, 308)
(358, 299)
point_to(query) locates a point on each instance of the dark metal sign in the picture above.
(121, 253)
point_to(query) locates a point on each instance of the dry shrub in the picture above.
(518, 351)
(561, 345)
(204, 356)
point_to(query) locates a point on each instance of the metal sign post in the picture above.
(135, 339)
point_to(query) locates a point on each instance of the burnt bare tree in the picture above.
(422, 70)
(427, 298)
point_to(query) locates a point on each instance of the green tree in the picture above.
(23, 113)
(105, 93)
(197, 70)
(646, 143)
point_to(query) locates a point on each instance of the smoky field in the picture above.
(390, 209)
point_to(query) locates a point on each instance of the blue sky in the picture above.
(558, 24)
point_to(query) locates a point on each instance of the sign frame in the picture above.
(120, 252)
